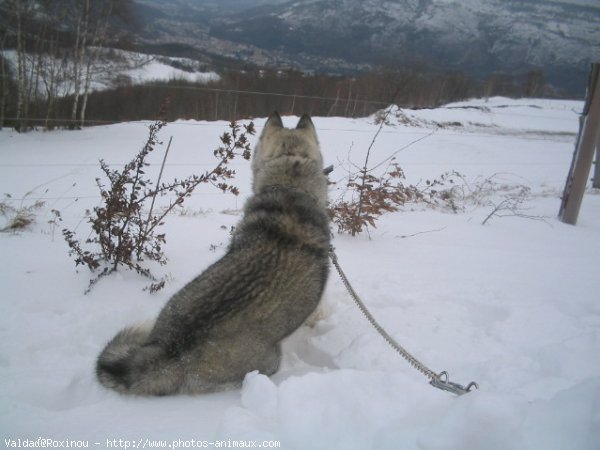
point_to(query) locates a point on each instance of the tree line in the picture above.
(51, 50)
(240, 95)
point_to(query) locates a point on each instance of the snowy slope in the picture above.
(512, 304)
(117, 67)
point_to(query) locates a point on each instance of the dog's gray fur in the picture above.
(230, 319)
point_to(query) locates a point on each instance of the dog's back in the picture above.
(231, 318)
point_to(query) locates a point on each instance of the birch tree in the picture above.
(22, 10)
(98, 40)
(4, 80)
(91, 33)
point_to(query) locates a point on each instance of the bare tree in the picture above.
(534, 83)
(4, 74)
(22, 10)
(79, 50)
(92, 21)
(98, 39)
(53, 66)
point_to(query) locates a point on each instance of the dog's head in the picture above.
(276, 141)
(289, 157)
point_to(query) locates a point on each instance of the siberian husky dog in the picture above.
(231, 318)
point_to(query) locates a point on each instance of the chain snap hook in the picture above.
(442, 381)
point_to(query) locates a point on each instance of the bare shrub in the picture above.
(512, 205)
(504, 197)
(124, 233)
(372, 196)
(21, 216)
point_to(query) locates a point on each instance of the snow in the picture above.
(119, 66)
(512, 305)
(155, 67)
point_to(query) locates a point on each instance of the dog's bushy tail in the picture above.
(126, 359)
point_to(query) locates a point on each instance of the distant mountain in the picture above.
(478, 37)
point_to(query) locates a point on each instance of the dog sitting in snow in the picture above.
(230, 319)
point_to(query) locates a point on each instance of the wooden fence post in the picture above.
(596, 182)
(589, 132)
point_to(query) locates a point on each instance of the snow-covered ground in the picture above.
(513, 305)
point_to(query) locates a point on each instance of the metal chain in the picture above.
(441, 380)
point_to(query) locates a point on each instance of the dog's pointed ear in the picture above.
(274, 120)
(305, 122)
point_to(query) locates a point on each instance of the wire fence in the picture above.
(469, 131)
